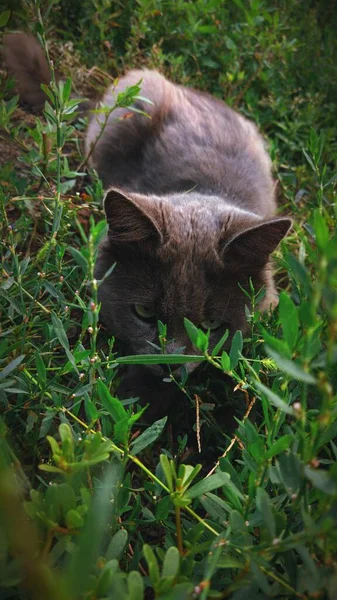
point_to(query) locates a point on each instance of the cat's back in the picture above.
(189, 140)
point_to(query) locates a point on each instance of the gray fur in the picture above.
(190, 213)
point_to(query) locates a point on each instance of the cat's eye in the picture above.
(144, 312)
(210, 324)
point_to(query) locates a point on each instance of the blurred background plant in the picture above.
(95, 502)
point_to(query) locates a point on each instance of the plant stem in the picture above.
(178, 530)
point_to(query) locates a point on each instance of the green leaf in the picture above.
(53, 291)
(66, 497)
(283, 443)
(322, 480)
(86, 551)
(309, 159)
(163, 508)
(210, 63)
(276, 344)
(4, 16)
(59, 331)
(299, 272)
(46, 424)
(117, 545)
(133, 418)
(216, 507)
(10, 108)
(41, 369)
(67, 442)
(289, 320)
(12, 301)
(50, 469)
(152, 563)
(135, 586)
(207, 29)
(74, 519)
(328, 434)
(66, 433)
(207, 485)
(198, 337)
(290, 367)
(260, 578)
(321, 229)
(166, 466)
(171, 562)
(66, 90)
(32, 419)
(121, 430)
(106, 578)
(274, 399)
(230, 562)
(236, 349)
(192, 331)
(55, 448)
(11, 366)
(227, 467)
(148, 436)
(190, 473)
(62, 338)
(79, 258)
(290, 471)
(112, 405)
(220, 343)
(264, 506)
(158, 359)
(225, 362)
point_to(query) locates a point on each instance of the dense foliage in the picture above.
(234, 494)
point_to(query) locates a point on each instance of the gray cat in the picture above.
(191, 209)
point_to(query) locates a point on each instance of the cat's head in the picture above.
(180, 256)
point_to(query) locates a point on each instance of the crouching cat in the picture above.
(190, 205)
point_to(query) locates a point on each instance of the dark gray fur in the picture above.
(190, 213)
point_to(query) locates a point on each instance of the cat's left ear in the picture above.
(253, 246)
(132, 218)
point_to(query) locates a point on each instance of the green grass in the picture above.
(234, 495)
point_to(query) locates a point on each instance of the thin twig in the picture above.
(197, 410)
(93, 144)
(235, 438)
(140, 566)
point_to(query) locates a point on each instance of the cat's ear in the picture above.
(253, 246)
(131, 217)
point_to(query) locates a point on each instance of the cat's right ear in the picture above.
(252, 247)
(132, 218)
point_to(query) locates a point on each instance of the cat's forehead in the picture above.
(191, 228)
(193, 222)
(192, 209)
